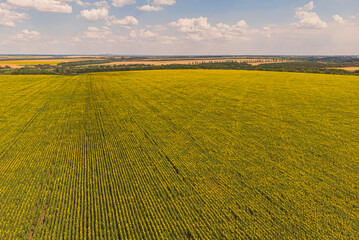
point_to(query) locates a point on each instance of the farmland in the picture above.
(19, 63)
(350, 68)
(160, 61)
(179, 154)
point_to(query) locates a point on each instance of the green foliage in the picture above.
(305, 67)
(81, 67)
(179, 154)
(333, 59)
(32, 71)
(86, 62)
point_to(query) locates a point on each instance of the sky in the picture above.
(180, 27)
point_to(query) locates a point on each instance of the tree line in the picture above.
(76, 68)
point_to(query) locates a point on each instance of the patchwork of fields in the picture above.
(23, 63)
(181, 154)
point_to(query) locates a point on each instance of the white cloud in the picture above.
(190, 25)
(157, 7)
(142, 34)
(101, 14)
(307, 18)
(26, 35)
(126, 22)
(9, 18)
(339, 19)
(309, 34)
(138, 37)
(94, 15)
(146, 36)
(149, 8)
(53, 6)
(80, 3)
(164, 2)
(97, 33)
(101, 4)
(199, 29)
(308, 7)
(121, 3)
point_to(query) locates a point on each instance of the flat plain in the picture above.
(180, 154)
(159, 61)
(19, 63)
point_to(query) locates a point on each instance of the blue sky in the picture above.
(185, 27)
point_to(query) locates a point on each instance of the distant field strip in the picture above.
(254, 62)
(22, 63)
(350, 68)
(180, 154)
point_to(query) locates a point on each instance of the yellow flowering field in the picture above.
(179, 154)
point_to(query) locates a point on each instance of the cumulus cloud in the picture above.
(189, 25)
(25, 35)
(121, 3)
(164, 2)
(103, 33)
(149, 8)
(198, 29)
(125, 22)
(81, 3)
(155, 5)
(9, 18)
(339, 19)
(52, 6)
(147, 36)
(307, 18)
(95, 35)
(101, 4)
(142, 34)
(94, 15)
(101, 14)
(308, 7)
(308, 34)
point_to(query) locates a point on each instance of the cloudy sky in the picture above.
(179, 27)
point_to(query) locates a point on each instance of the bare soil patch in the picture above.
(253, 62)
(31, 234)
(350, 68)
(10, 65)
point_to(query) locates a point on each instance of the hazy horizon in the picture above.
(165, 55)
